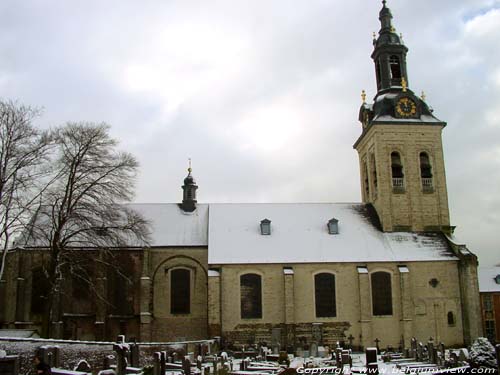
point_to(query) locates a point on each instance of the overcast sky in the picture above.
(263, 95)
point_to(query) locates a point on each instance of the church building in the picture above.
(384, 270)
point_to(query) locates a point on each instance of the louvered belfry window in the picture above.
(180, 291)
(381, 293)
(251, 296)
(324, 293)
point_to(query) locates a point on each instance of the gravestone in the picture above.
(371, 355)
(276, 340)
(50, 355)
(430, 350)
(157, 363)
(346, 358)
(121, 351)
(317, 333)
(108, 360)
(9, 365)
(134, 355)
(163, 362)
(186, 365)
(413, 347)
(420, 352)
(463, 355)
(338, 357)
(83, 366)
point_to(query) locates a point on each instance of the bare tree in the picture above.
(85, 207)
(23, 168)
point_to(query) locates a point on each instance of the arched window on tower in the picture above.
(397, 172)
(395, 66)
(373, 166)
(378, 73)
(367, 183)
(381, 293)
(180, 291)
(426, 172)
(324, 295)
(251, 296)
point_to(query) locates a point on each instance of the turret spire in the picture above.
(189, 191)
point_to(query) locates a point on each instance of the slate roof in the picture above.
(299, 234)
(487, 282)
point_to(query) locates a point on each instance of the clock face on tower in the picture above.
(406, 107)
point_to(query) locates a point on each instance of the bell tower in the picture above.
(400, 148)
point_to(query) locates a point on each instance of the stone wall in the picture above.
(412, 209)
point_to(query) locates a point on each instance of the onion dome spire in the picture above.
(189, 192)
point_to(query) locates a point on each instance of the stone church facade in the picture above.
(386, 269)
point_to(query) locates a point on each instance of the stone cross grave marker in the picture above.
(413, 347)
(430, 350)
(351, 340)
(377, 342)
(121, 351)
(420, 352)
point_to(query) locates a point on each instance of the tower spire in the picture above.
(189, 191)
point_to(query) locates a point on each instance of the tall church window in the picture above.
(40, 288)
(374, 174)
(367, 183)
(324, 293)
(180, 291)
(451, 318)
(397, 171)
(425, 171)
(395, 66)
(381, 293)
(251, 296)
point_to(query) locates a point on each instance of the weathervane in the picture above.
(363, 96)
(189, 168)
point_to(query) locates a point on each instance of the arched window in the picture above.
(251, 296)
(367, 183)
(397, 170)
(40, 288)
(451, 318)
(324, 293)
(374, 172)
(395, 66)
(425, 170)
(381, 293)
(180, 291)
(378, 72)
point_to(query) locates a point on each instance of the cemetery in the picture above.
(211, 357)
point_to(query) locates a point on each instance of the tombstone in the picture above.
(351, 340)
(346, 358)
(108, 360)
(175, 357)
(420, 352)
(120, 339)
(199, 362)
(157, 363)
(50, 355)
(338, 357)
(83, 366)
(186, 365)
(313, 350)
(497, 348)
(276, 339)
(134, 355)
(215, 364)
(9, 365)
(371, 356)
(463, 355)
(413, 347)
(121, 351)
(377, 342)
(163, 362)
(430, 350)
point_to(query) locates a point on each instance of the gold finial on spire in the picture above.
(404, 84)
(374, 35)
(190, 169)
(423, 96)
(363, 96)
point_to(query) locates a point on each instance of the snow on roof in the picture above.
(487, 283)
(299, 234)
(171, 226)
